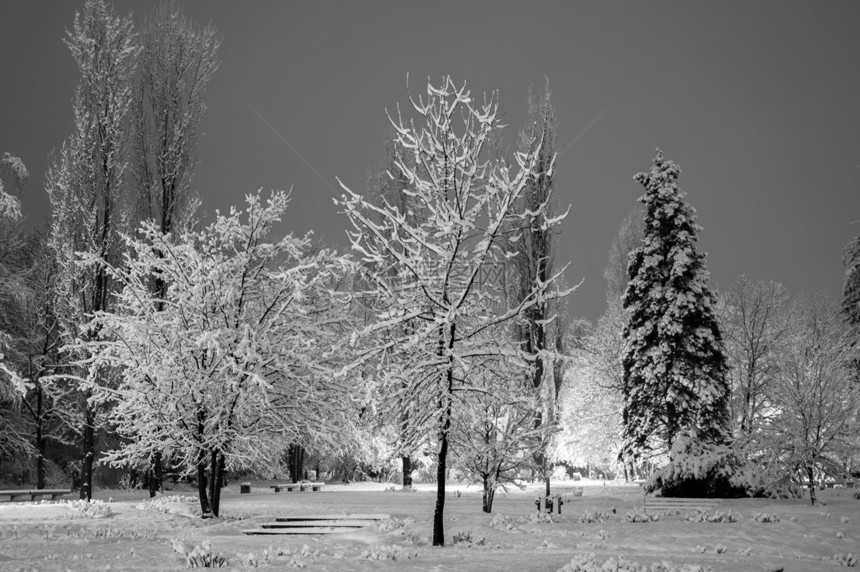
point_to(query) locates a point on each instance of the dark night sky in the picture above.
(759, 102)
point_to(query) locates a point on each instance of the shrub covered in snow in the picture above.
(593, 517)
(202, 557)
(91, 509)
(387, 552)
(717, 516)
(637, 515)
(590, 563)
(697, 469)
(465, 537)
(765, 517)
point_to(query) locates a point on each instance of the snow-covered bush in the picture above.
(202, 557)
(704, 516)
(465, 537)
(638, 515)
(697, 469)
(593, 517)
(590, 563)
(503, 522)
(387, 552)
(91, 509)
(764, 517)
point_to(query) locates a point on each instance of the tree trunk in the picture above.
(438, 522)
(489, 494)
(441, 470)
(40, 442)
(809, 473)
(156, 477)
(216, 480)
(407, 471)
(88, 452)
(295, 462)
(201, 484)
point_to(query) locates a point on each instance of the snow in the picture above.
(52, 536)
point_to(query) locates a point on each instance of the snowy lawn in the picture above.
(129, 533)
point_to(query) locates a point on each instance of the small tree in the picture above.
(436, 323)
(816, 404)
(495, 434)
(674, 365)
(237, 356)
(754, 325)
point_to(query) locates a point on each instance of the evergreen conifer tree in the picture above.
(851, 300)
(674, 363)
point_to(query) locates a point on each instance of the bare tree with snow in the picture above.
(440, 255)
(814, 420)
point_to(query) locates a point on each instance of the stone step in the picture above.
(312, 523)
(333, 517)
(300, 530)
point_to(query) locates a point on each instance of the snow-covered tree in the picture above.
(628, 239)
(851, 299)
(87, 184)
(385, 186)
(11, 167)
(236, 359)
(592, 400)
(178, 59)
(590, 416)
(13, 269)
(177, 62)
(535, 258)
(674, 364)
(815, 419)
(36, 353)
(438, 316)
(754, 324)
(494, 434)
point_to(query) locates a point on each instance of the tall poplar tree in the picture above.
(177, 61)
(674, 363)
(535, 258)
(87, 185)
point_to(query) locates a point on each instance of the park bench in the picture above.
(289, 487)
(667, 504)
(35, 493)
(300, 486)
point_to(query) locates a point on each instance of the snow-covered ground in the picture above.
(129, 533)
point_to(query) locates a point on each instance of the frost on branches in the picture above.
(674, 365)
(814, 426)
(435, 326)
(495, 433)
(11, 167)
(87, 187)
(235, 360)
